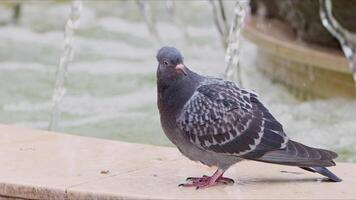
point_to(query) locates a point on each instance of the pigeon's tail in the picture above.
(308, 158)
(323, 171)
(296, 154)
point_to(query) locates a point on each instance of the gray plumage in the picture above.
(215, 122)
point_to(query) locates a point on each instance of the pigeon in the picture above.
(215, 122)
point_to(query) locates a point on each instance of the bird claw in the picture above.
(195, 178)
(205, 181)
(225, 180)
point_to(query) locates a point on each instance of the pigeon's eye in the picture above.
(165, 63)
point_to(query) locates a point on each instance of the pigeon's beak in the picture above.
(180, 68)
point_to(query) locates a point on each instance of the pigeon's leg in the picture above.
(208, 181)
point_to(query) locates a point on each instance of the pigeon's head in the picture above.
(170, 64)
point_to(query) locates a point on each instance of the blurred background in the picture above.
(88, 67)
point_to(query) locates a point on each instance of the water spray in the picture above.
(65, 59)
(232, 57)
(346, 38)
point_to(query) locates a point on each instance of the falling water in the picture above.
(17, 12)
(170, 6)
(232, 57)
(65, 59)
(220, 20)
(346, 38)
(146, 12)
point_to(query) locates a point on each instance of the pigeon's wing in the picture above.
(222, 118)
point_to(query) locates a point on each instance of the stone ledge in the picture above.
(308, 71)
(276, 37)
(43, 165)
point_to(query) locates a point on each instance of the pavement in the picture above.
(38, 164)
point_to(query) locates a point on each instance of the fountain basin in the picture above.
(308, 71)
(45, 165)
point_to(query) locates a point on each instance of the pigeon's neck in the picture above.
(172, 95)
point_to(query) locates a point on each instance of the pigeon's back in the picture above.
(222, 118)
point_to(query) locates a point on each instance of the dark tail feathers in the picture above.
(323, 171)
(307, 158)
(296, 154)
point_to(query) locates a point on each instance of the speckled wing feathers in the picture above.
(222, 118)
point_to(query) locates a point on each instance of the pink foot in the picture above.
(221, 179)
(207, 181)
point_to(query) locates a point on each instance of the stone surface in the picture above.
(44, 165)
(309, 71)
(303, 17)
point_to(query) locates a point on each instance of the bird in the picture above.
(215, 122)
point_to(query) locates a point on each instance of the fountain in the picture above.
(297, 51)
(220, 20)
(230, 37)
(346, 38)
(17, 13)
(232, 57)
(146, 12)
(65, 59)
(170, 6)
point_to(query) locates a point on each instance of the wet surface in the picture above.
(72, 167)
